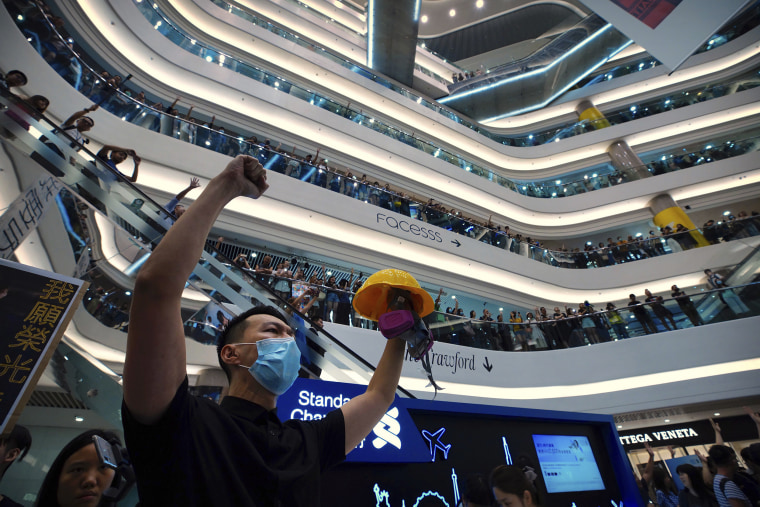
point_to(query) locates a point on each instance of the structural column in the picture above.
(392, 28)
(588, 112)
(623, 157)
(667, 212)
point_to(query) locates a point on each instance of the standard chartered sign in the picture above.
(313, 406)
(387, 430)
(311, 400)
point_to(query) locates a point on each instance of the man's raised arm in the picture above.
(155, 364)
(362, 413)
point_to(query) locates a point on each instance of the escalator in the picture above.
(534, 81)
(125, 213)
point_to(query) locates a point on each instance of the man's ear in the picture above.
(229, 354)
(11, 455)
(528, 499)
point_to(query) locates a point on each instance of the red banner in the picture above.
(650, 12)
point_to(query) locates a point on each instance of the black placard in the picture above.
(35, 308)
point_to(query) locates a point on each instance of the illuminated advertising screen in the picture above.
(423, 453)
(567, 463)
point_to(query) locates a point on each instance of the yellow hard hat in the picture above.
(371, 300)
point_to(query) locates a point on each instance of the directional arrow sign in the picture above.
(488, 366)
(457, 243)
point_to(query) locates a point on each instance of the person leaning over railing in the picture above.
(662, 313)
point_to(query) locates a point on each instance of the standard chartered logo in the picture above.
(387, 430)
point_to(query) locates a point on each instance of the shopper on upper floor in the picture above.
(641, 314)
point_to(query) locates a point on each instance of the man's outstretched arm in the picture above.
(194, 183)
(155, 364)
(362, 413)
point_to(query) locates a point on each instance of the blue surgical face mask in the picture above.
(277, 365)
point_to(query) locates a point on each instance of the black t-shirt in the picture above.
(637, 309)
(235, 454)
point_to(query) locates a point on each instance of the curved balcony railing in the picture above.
(562, 328)
(119, 202)
(587, 326)
(295, 39)
(738, 26)
(578, 184)
(623, 115)
(319, 174)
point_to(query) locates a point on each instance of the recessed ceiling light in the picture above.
(620, 426)
(716, 414)
(667, 420)
(79, 418)
(424, 19)
(479, 4)
(452, 13)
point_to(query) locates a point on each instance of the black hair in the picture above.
(48, 494)
(234, 331)
(722, 455)
(19, 438)
(476, 490)
(16, 71)
(752, 453)
(512, 479)
(659, 477)
(695, 476)
(34, 98)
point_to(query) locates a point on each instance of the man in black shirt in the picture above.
(642, 315)
(687, 306)
(188, 451)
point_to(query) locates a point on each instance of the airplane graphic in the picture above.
(434, 440)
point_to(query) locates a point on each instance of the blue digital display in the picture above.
(423, 453)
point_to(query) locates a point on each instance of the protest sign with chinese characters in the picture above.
(35, 308)
(25, 213)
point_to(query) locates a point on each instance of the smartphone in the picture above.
(105, 451)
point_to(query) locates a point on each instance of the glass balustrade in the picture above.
(108, 303)
(85, 79)
(111, 201)
(594, 178)
(105, 193)
(741, 24)
(588, 326)
(326, 53)
(578, 185)
(654, 106)
(730, 32)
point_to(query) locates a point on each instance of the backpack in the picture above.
(746, 484)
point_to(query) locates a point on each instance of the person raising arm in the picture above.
(189, 451)
(114, 155)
